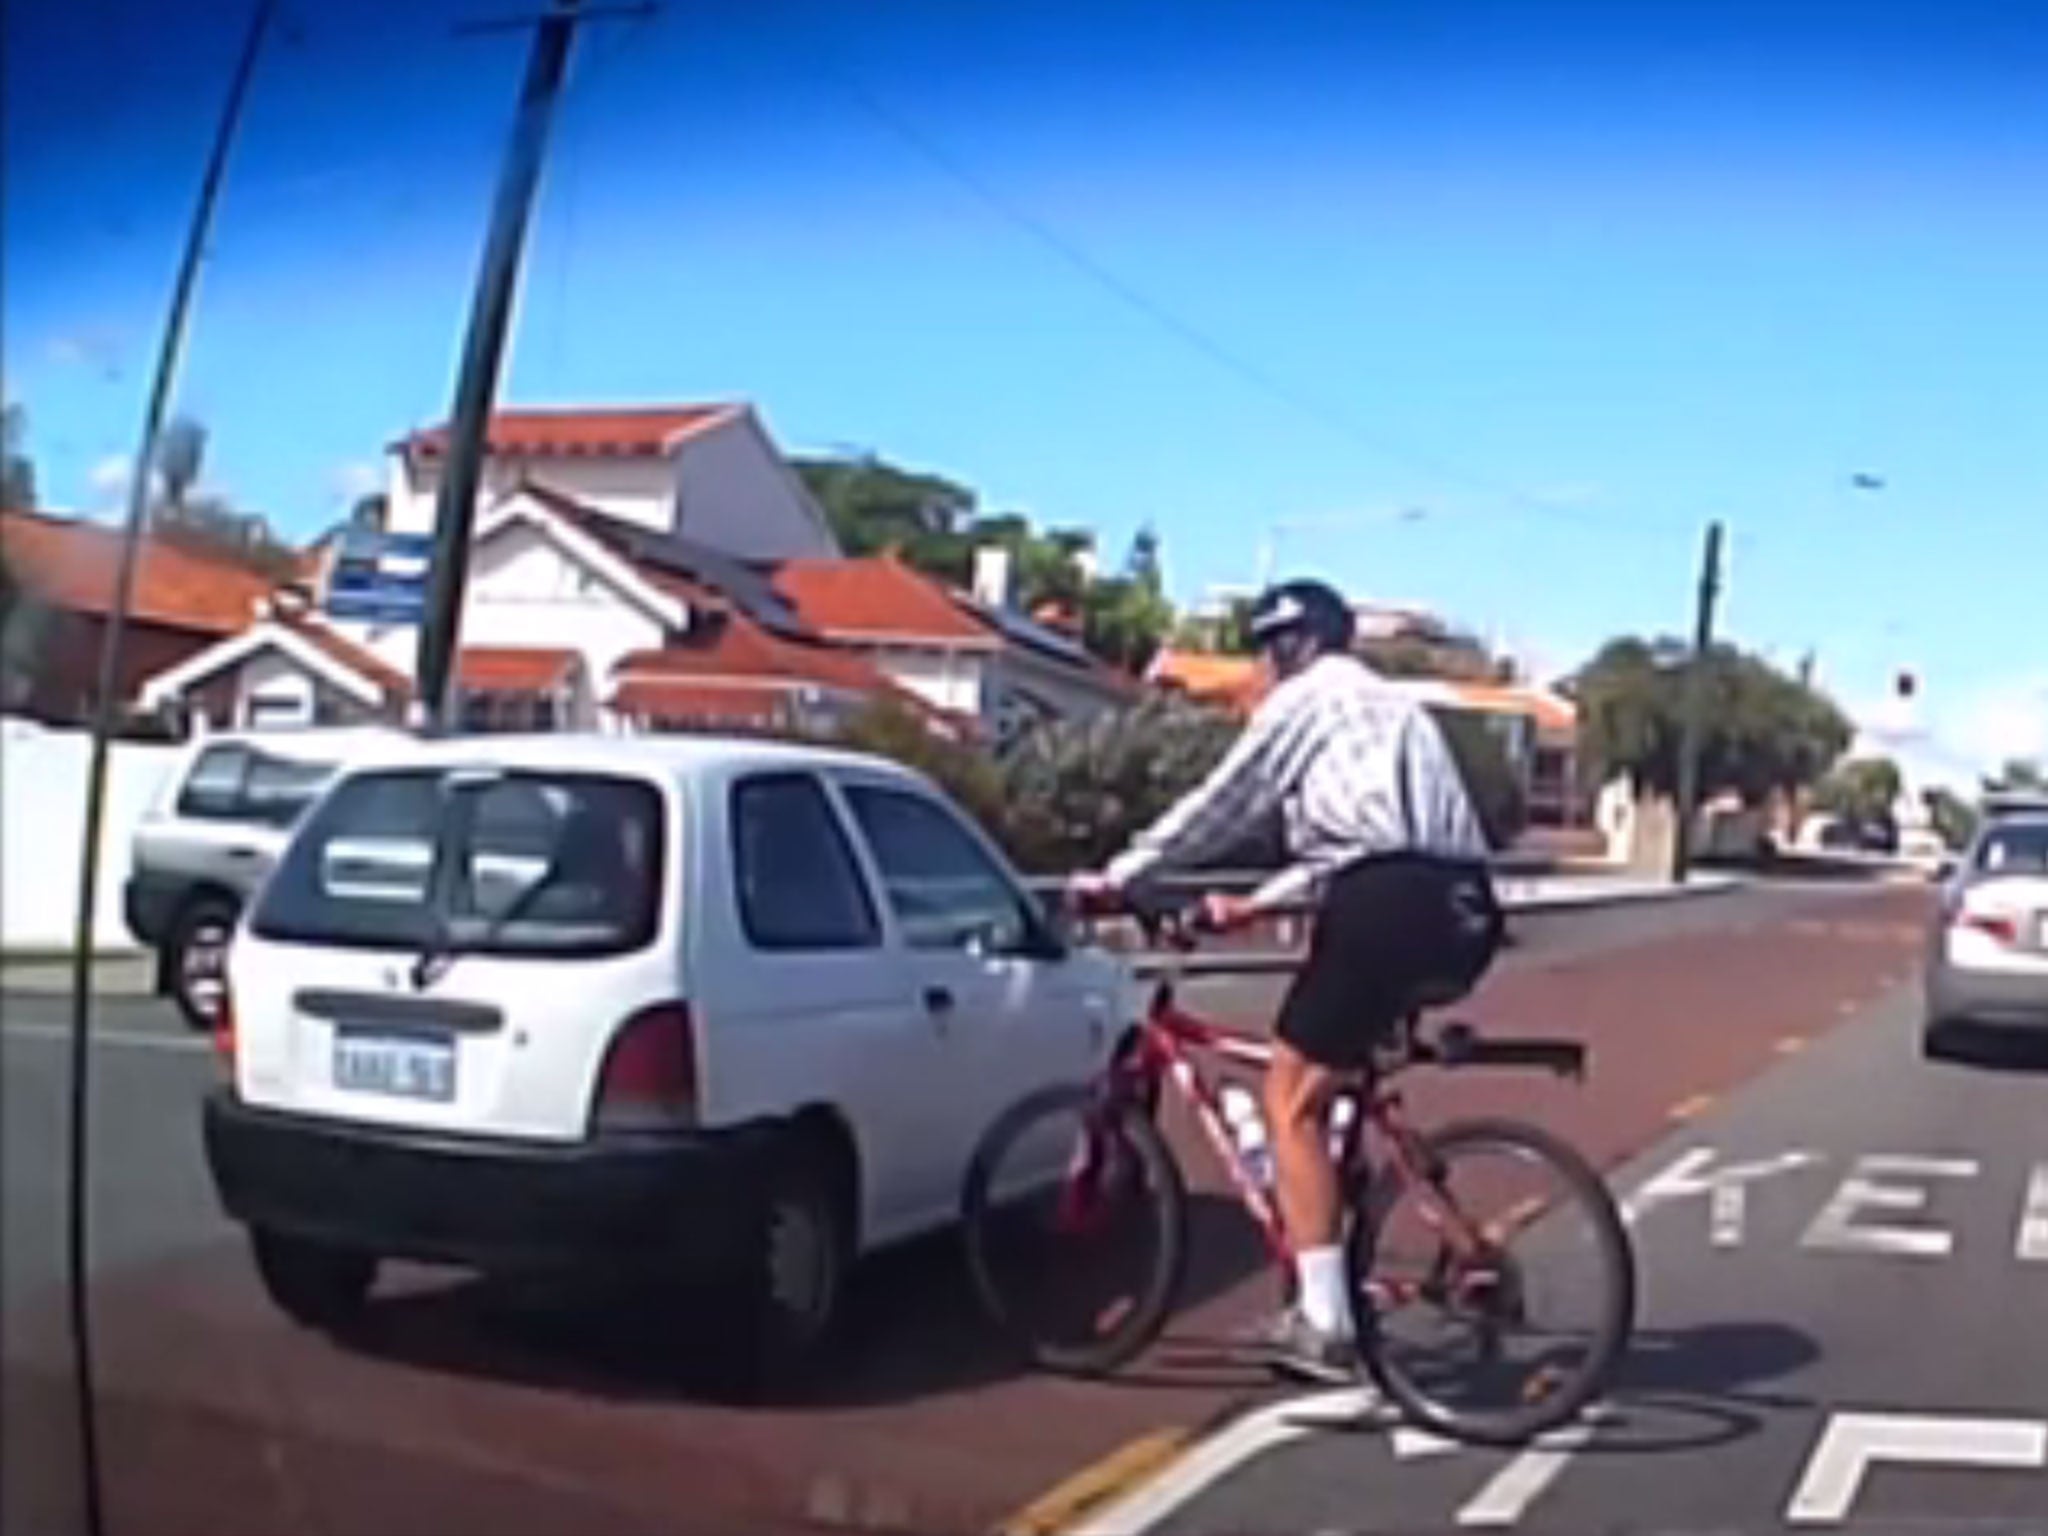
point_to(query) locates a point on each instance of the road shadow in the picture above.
(911, 1329)
(1690, 1389)
(1676, 1391)
(1959, 1043)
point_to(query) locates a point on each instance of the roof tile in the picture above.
(574, 432)
(72, 564)
(877, 597)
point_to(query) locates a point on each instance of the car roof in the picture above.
(655, 756)
(327, 743)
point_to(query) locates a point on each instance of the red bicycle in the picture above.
(1086, 1168)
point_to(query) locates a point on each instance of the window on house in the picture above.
(799, 885)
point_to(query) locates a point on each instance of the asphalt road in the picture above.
(1852, 1333)
(461, 1411)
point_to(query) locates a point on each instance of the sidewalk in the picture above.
(115, 973)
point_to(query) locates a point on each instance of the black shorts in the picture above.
(1393, 933)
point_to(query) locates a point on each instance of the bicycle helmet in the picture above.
(1302, 607)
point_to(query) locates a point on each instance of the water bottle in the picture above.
(1342, 1113)
(1241, 1113)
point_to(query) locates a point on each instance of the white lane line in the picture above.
(1852, 1441)
(2033, 1240)
(127, 1039)
(1510, 1491)
(1218, 1457)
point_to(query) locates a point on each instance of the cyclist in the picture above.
(1388, 853)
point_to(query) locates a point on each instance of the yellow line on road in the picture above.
(1061, 1505)
(1687, 1109)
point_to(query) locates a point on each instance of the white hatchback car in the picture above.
(1987, 945)
(728, 1009)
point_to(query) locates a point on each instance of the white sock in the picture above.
(1321, 1290)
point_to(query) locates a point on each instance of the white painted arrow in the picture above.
(1853, 1441)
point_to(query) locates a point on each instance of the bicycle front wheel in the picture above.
(1075, 1219)
(1499, 1342)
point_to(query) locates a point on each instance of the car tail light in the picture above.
(224, 1033)
(2001, 926)
(649, 1079)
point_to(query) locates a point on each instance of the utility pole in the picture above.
(1696, 706)
(483, 348)
(77, 1184)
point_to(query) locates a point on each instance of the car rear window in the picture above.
(2015, 851)
(502, 863)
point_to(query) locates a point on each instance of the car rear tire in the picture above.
(195, 959)
(315, 1285)
(798, 1264)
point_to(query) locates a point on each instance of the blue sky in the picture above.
(1568, 278)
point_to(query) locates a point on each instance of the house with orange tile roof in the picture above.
(576, 619)
(707, 472)
(676, 557)
(66, 570)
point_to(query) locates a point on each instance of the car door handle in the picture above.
(244, 853)
(938, 999)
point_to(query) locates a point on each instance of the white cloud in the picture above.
(109, 477)
(359, 477)
(1958, 743)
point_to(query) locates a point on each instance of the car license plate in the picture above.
(401, 1066)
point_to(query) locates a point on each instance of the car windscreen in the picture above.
(2015, 850)
(506, 863)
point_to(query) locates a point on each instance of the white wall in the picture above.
(42, 819)
(735, 493)
(638, 489)
(951, 680)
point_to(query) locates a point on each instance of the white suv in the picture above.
(689, 1006)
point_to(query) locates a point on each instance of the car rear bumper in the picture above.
(1988, 997)
(674, 1204)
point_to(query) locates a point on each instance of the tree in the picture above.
(1489, 775)
(1954, 818)
(1076, 791)
(1764, 731)
(1861, 791)
(180, 455)
(17, 471)
(2019, 776)
(872, 505)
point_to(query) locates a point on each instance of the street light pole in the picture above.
(482, 351)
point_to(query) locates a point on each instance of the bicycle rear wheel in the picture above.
(1452, 1339)
(1075, 1220)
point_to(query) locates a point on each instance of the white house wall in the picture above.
(525, 594)
(734, 493)
(948, 680)
(639, 489)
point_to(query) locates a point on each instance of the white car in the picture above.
(732, 1010)
(1987, 947)
(218, 822)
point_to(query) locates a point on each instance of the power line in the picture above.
(1196, 337)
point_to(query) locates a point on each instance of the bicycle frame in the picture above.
(1165, 1048)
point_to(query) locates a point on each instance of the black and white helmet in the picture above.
(1307, 607)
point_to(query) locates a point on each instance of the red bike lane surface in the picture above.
(458, 1410)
